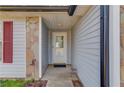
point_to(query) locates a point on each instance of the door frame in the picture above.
(65, 46)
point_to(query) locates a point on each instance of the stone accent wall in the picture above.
(32, 46)
(122, 43)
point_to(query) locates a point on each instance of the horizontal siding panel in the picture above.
(12, 75)
(12, 70)
(93, 30)
(19, 23)
(20, 50)
(18, 68)
(19, 36)
(87, 18)
(18, 28)
(17, 58)
(14, 64)
(91, 36)
(44, 46)
(21, 41)
(92, 24)
(88, 59)
(90, 31)
(90, 39)
(89, 45)
(18, 44)
(86, 48)
(18, 32)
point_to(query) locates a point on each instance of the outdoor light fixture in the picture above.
(71, 9)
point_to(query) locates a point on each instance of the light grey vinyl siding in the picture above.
(69, 47)
(18, 68)
(44, 45)
(86, 47)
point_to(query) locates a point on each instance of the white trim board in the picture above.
(114, 45)
(40, 47)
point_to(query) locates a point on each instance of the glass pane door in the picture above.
(59, 41)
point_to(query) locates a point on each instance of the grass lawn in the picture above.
(14, 83)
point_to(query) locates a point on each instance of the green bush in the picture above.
(14, 83)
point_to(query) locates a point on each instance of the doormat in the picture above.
(37, 83)
(59, 65)
(76, 83)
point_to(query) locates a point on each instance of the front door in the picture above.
(59, 47)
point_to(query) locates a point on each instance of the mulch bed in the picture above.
(37, 83)
(76, 83)
(122, 84)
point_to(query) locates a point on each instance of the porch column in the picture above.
(114, 45)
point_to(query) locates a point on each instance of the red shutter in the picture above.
(8, 42)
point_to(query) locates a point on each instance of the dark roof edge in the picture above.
(34, 8)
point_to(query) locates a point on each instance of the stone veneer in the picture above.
(32, 46)
(122, 43)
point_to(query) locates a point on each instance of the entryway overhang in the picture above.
(22, 8)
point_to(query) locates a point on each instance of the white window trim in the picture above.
(1, 61)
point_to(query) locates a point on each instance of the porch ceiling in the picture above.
(62, 21)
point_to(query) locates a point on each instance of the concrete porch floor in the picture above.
(59, 76)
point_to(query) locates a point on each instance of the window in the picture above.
(59, 41)
(7, 42)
